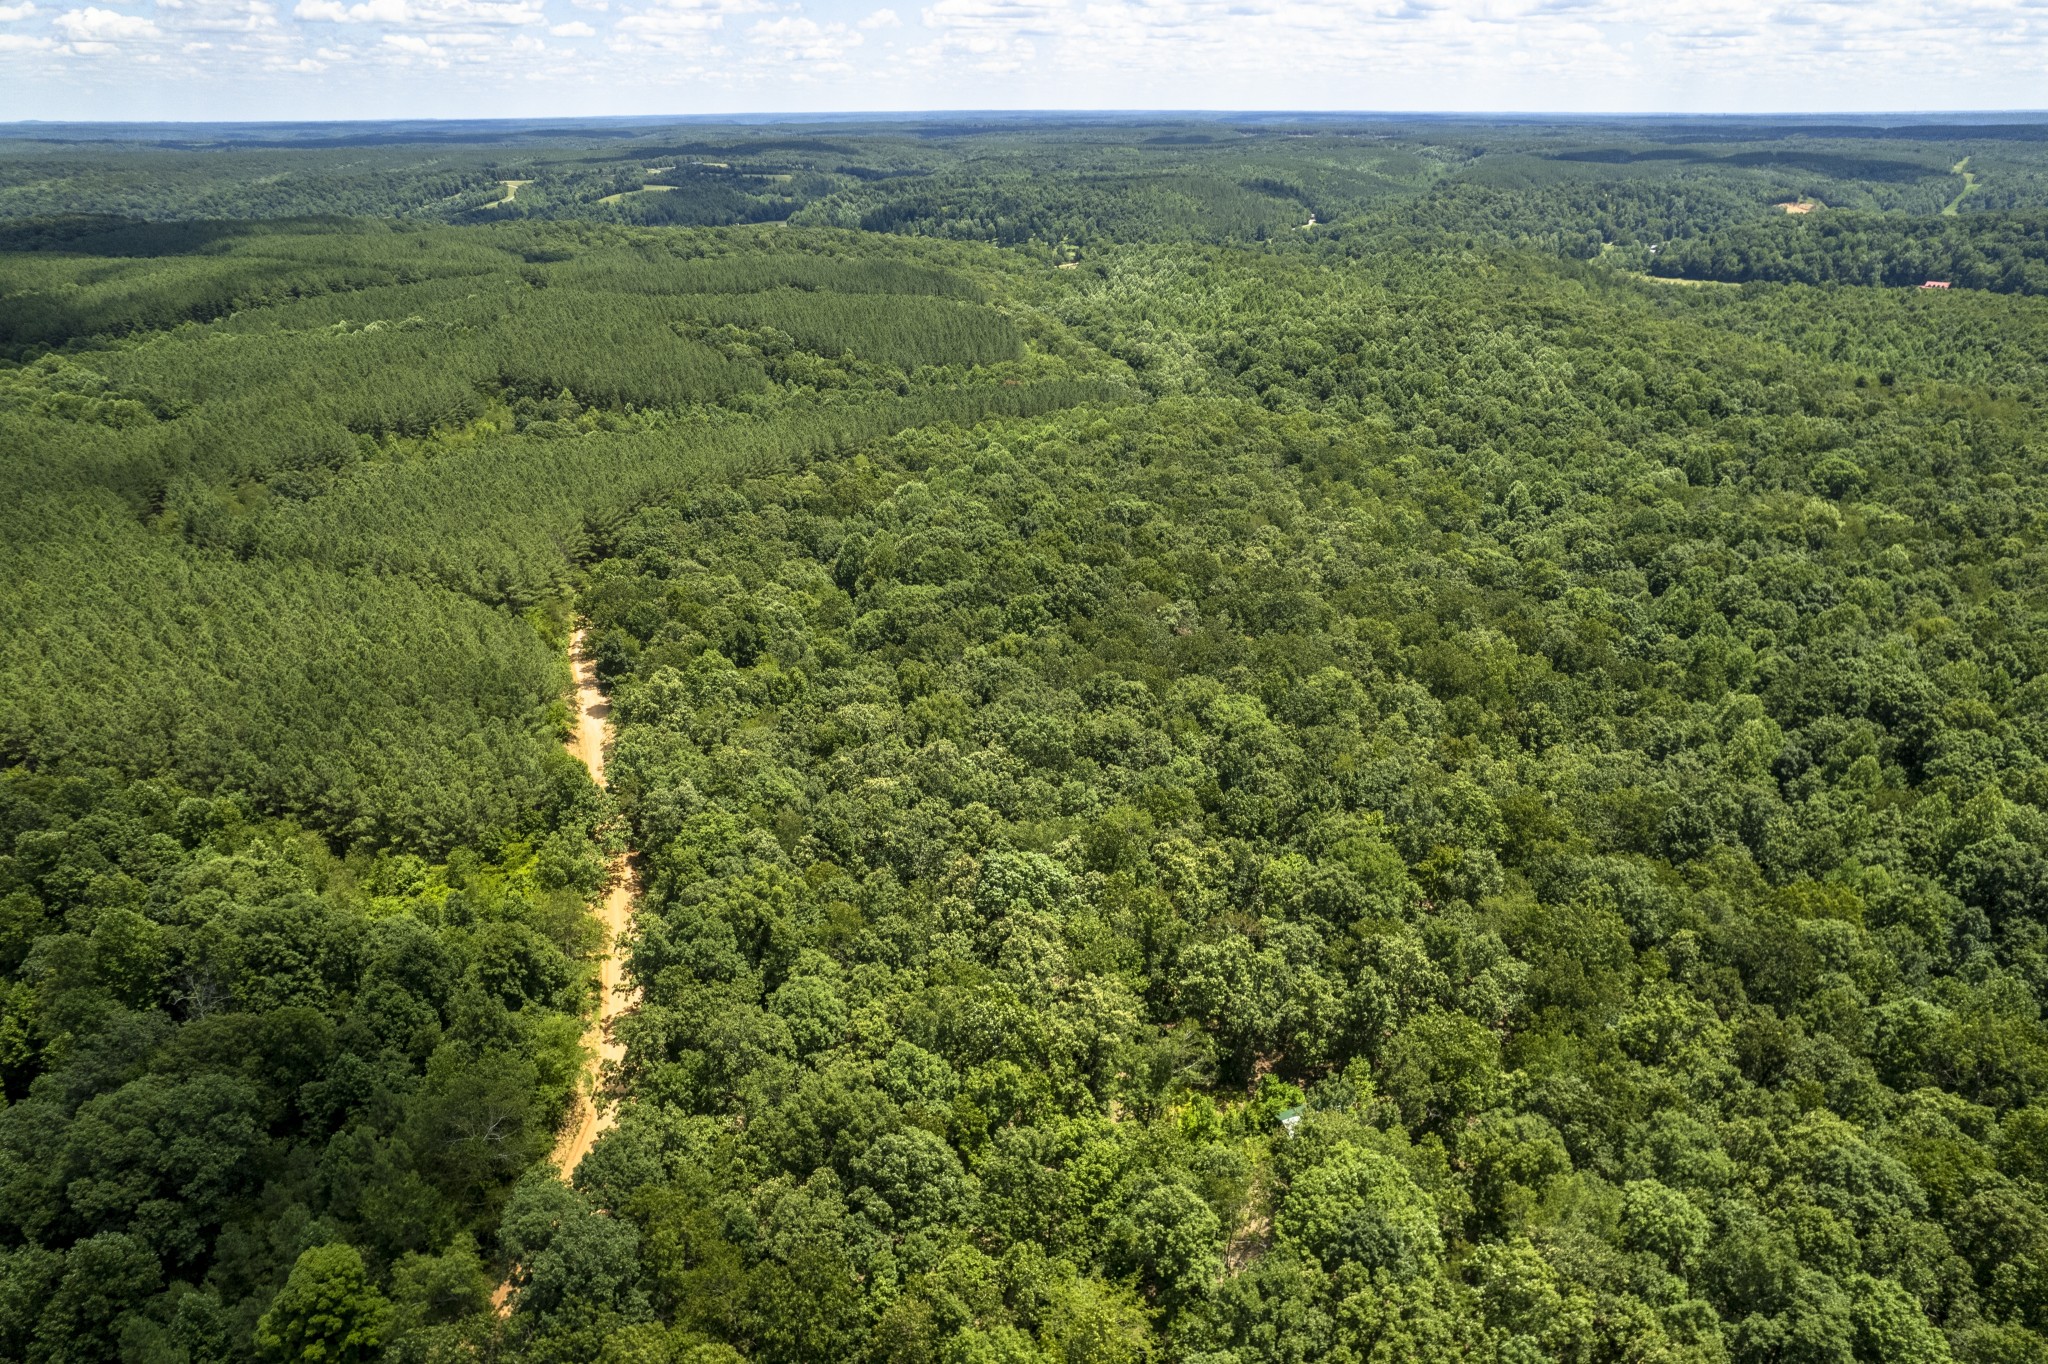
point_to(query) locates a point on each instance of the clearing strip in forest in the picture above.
(593, 725)
(1961, 168)
(512, 188)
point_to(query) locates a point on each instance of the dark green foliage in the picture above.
(751, 267)
(2004, 253)
(901, 332)
(1083, 209)
(225, 1050)
(625, 355)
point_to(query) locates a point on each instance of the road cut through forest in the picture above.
(593, 727)
(592, 1120)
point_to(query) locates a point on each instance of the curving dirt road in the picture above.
(593, 723)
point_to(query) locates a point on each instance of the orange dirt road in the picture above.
(589, 1122)
(593, 725)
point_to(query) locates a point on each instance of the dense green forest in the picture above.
(1441, 785)
(2007, 253)
(1049, 182)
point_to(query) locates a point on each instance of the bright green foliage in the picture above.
(1361, 1208)
(327, 1313)
(430, 1291)
(1664, 1222)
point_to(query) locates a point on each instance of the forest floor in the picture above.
(593, 725)
(1253, 1235)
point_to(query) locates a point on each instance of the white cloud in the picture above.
(370, 11)
(680, 25)
(994, 37)
(732, 54)
(450, 50)
(228, 16)
(100, 28)
(423, 13)
(822, 47)
(666, 23)
(1460, 53)
(1017, 16)
(510, 14)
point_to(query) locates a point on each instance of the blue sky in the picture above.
(258, 59)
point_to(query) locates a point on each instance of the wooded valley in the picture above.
(1464, 782)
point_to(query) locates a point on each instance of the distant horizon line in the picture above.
(1962, 116)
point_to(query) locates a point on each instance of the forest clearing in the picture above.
(511, 192)
(592, 1116)
(1955, 205)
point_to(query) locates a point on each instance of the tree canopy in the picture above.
(1201, 790)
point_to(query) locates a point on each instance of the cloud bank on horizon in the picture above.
(284, 59)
